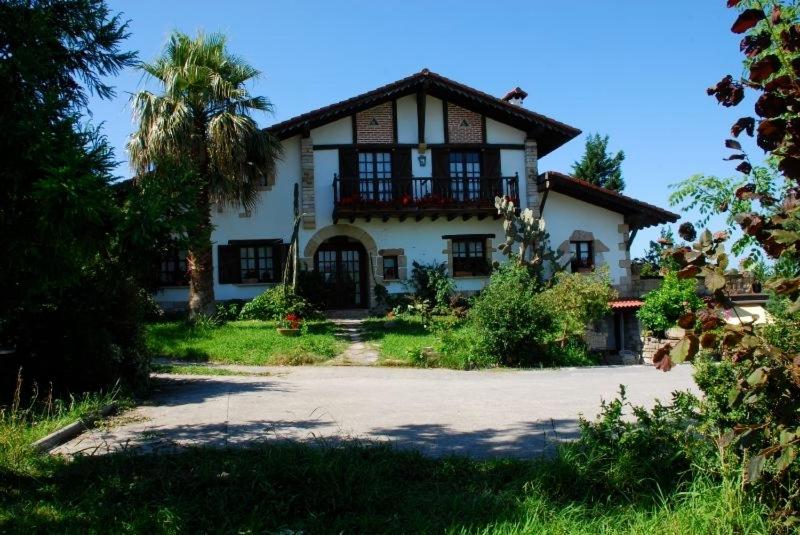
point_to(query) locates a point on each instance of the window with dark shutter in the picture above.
(173, 270)
(490, 181)
(401, 173)
(228, 260)
(469, 257)
(348, 172)
(582, 256)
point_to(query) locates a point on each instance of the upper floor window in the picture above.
(582, 253)
(374, 175)
(257, 263)
(469, 257)
(465, 175)
(173, 269)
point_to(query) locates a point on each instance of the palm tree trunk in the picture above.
(201, 265)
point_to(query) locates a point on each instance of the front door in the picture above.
(341, 262)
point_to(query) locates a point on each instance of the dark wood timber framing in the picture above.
(454, 146)
(548, 133)
(446, 122)
(421, 98)
(638, 214)
(468, 236)
(394, 121)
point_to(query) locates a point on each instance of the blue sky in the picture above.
(634, 70)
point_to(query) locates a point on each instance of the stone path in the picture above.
(359, 352)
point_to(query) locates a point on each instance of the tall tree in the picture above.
(69, 311)
(202, 121)
(598, 166)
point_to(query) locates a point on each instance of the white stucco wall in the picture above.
(563, 215)
(337, 132)
(513, 161)
(434, 120)
(502, 133)
(407, 127)
(326, 163)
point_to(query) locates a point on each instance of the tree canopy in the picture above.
(598, 166)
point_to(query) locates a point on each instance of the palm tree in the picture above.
(202, 122)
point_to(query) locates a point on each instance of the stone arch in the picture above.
(355, 233)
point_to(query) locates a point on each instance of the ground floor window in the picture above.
(173, 269)
(390, 271)
(469, 257)
(582, 256)
(249, 262)
(257, 263)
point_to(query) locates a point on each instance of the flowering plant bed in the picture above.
(290, 325)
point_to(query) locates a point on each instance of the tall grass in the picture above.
(33, 415)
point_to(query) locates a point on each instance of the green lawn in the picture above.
(243, 342)
(200, 369)
(398, 337)
(291, 488)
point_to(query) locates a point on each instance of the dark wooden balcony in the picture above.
(420, 197)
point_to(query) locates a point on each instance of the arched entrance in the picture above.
(341, 262)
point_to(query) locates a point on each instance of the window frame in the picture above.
(396, 259)
(270, 254)
(179, 277)
(478, 263)
(375, 178)
(577, 264)
(466, 178)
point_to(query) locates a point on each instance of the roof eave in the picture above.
(638, 214)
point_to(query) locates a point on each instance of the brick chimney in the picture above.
(515, 96)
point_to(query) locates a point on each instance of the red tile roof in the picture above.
(622, 304)
(549, 133)
(638, 214)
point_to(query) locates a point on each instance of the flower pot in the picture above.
(288, 332)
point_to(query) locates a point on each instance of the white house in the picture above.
(408, 172)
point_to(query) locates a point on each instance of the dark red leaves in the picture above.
(745, 192)
(764, 68)
(733, 3)
(687, 231)
(753, 45)
(735, 157)
(747, 19)
(771, 105)
(710, 321)
(744, 124)
(733, 144)
(688, 272)
(780, 83)
(708, 340)
(791, 38)
(776, 14)
(770, 133)
(727, 92)
(687, 321)
(790, 166)
(744, 167)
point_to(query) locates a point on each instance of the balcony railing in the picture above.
(420, 195)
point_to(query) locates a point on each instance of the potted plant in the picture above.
(290, 325)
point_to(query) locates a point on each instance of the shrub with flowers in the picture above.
(291, 321)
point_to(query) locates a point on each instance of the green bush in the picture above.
(511, 326)
(275, 304)
(654, 451)
(662, 307)
(431, 284)
(229, 310)
(576, 299)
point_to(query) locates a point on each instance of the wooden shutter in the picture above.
(229, 267)
(490, 182)
(348, 171)
(401, 172)
(441, 171)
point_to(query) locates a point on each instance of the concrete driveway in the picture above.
(480, 413)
